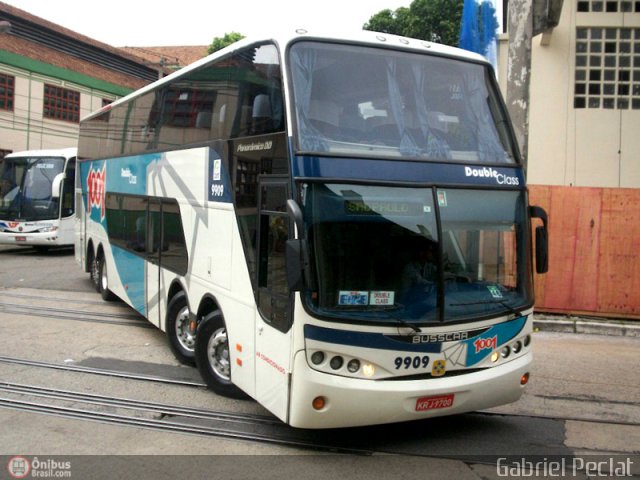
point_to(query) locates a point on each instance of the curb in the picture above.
(599, 326)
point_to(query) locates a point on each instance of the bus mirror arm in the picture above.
(293, 209)
(542, 239)
(297, 251)
(55, 185)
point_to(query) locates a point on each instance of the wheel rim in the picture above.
(184, 333)
(103, 276)
(218, 354)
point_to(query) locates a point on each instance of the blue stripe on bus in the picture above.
(131, 271)
(405, 171)
(477, 348)
(366, 339)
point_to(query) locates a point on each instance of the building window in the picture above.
(607, 68)
(61, 104)
(7, 91)
(609, 6)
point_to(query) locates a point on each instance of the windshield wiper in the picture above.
(512, 310)
(401, 322)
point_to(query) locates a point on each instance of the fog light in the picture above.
(516, 347)
(495, 356)
(527, 340)
(504, 353)
(368, 370)
(336, 362)
(353, 366)
(319, 403)
(524, 379)
(317, 358)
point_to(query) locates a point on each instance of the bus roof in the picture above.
(58, 152)
(363, 37)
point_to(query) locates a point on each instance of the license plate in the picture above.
(434, 402)
(21, 239)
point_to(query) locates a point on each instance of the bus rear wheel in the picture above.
(93, 271)
(181, 330)
(213, 357)
(103, 281)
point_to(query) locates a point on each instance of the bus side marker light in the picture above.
(524, 379)
(319, 403)
(495, 356)
(239, 362)
(238, 347)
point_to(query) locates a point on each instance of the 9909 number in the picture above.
(411, 362)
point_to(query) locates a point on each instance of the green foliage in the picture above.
(220, 42)
(431, 20)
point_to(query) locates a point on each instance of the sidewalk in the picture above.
(598, 326)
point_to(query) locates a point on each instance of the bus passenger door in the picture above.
(273, 332)
(152, 265)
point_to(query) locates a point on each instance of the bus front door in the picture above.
(273, 332)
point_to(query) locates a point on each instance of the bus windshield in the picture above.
(362, 101)
(25, 188)
(418, 255)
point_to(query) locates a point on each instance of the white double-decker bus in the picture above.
(37, 198)
(336, 227)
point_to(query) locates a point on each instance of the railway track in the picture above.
(46, 306)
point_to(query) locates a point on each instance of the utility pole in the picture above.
(520, 26)
(526, 19)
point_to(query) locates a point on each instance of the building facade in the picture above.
(585, 97)
(583, 161)
(50, 77)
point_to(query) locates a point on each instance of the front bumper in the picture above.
(356, 402)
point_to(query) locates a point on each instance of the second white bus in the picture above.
(37, 198)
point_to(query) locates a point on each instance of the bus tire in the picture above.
(93, 271)
(180, 333)
(103, 281)
(213, 356)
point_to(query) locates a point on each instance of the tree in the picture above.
(386, 21)
(431, 20)
(220, 42)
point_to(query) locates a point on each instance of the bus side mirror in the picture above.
(297, 251)
(542, 240)
(295, 263)
(55, 185)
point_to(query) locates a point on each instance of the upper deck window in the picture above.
(361, 101)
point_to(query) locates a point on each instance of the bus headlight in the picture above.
(317, 358)
(340, 364)
(336, 362)
(354, 365)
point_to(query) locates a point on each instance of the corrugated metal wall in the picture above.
(594, 255)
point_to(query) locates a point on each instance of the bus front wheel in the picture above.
(181, 330)
(213, 357)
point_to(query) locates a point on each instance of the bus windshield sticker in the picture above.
(382, 298)
(494, 291)
(442, 198)
(347, 297)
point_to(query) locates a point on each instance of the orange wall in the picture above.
(594, 251)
